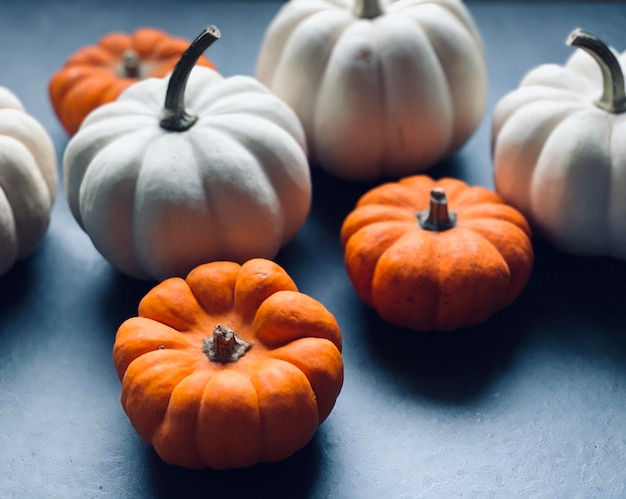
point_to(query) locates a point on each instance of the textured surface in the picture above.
(530, 404)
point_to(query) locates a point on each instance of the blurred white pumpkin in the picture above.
(382, 87)
(28, 181)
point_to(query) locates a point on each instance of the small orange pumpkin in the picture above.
(229, 367)
(98, 74)
(436, 255)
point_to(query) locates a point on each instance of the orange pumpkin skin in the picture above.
(95, 75)
(436, 279)
(222, 414)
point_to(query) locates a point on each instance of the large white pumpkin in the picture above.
(383, 88)
(219, 172)
(28, 181)
(559, 147)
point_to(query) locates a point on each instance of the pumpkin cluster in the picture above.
(194, 180)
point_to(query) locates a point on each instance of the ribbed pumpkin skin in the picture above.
(91, 76)
(428, 280)
(261, 408)
(156, 204)
(380, 97)
(560, 159)
(28, 181)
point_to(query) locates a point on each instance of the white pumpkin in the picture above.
(383, 88)
(28, 181)
(559, 149)
(219, 172)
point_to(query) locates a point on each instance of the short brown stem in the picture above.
(613, 98)
(225, 346)
(437, 217)
(130, 67)
(367, 9)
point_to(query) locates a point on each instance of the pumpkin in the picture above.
(436, 254)
(229, 367)
(28, 181)
(559, 149)
(97, 74)
(383, 88)
(187, 170)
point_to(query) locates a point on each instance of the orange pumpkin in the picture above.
(436, 255)
(229, 367)
(97, 74)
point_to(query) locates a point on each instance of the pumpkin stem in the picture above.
(225, 346)
(437, 217)
(175, 117)
(130, 67)
(613, 97)
(367, 9)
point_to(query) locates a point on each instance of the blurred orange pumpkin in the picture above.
(97, 74)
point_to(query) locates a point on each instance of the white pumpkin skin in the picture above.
(156, 203)
(385, 96)
(28, 181)
(561, 159)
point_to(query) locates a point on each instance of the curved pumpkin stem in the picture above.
(367, 9)
(175, 117)
(225, 346)
(437, 217)
(613, 97)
